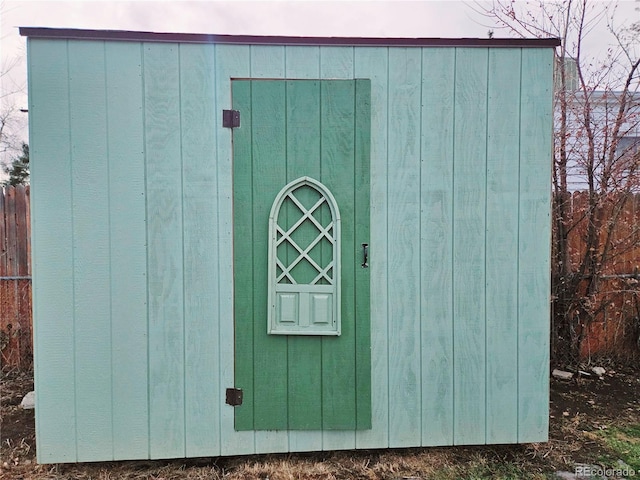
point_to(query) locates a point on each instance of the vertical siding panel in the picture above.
(268, 176)
(52, 230)
(303, 62)
(503, 142)
(243, 245)
(469, 244)
(127, 219)
(231, 61)
(269, 62)
(92, 305)
(165, 262)
(335, 62)
(372, 63)
(405, 78)
(199, 122)
(362, 188)
(338, 172)
(533, 273)
(436, 236)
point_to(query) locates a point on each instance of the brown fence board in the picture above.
(15, 282)
(22, 233)
(12, 237)
(624, 249)
(3, 237)
(27, 222)
(578, 225)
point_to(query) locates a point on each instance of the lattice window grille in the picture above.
(326, 272)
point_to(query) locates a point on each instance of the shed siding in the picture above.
(502, 251)
(231, 61)
(164, 192)
(469, 217)
(436, 245)
(132, 219)
(373, 63)
(91, 255)
(403, 245)
(533, 247)
(52, 249)
(127, 208)
(200, 217)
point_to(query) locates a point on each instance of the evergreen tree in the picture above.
(18, 170)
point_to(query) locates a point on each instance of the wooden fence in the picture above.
(15, 278)
(616, 327)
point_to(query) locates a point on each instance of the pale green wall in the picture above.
(131, 175)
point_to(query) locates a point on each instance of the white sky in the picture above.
(373, 18)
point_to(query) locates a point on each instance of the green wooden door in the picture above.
(292, 130)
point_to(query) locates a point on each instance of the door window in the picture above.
(304, 261)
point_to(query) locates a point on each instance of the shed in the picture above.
(269, 244)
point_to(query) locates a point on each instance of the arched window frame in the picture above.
(273, 325)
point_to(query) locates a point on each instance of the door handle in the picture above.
(365, 255)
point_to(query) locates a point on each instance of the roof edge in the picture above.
(137, 36)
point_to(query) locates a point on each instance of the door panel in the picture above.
(291, 129)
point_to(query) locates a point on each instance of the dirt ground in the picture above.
(580, 411)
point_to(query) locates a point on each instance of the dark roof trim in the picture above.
(78, 34)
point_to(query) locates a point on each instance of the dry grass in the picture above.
(446, 464)
(433, 463)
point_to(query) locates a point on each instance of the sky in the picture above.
(359, 18)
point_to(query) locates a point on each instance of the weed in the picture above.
(624, 444)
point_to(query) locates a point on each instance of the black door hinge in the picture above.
(234, 397)
(230, 118)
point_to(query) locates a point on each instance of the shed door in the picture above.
(310, 138)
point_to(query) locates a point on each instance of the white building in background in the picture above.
(602, 109)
